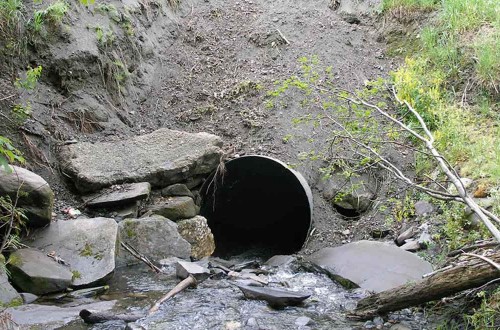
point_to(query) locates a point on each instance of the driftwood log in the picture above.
(471, 272)
(90, 317)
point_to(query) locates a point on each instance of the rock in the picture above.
(378, 321)
(411, 245)
(184, 269)
(28, 298)
(162, 158)
(199, 235)
(275, 297)
(88, 245)
(154, 236)
(34, 272)
(424, 240)
(34, 316)
(351, 197)
(8, 295)
(133, 326)
(279, 260)
(370, 265)
(130, 211)
(423, 208)
(303, 321)
(399, 327)
(466, 182)
(36, 197)
(380, 232)
(175, 208)
(406, 234)
(177, 189)
(118, 195)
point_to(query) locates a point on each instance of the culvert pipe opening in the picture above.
(257, 203)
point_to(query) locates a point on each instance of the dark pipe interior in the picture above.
(257, 204)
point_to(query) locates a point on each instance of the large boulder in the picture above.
(35, 195)
(87, 245)
(8, 295)
(161, 158)
(174, 208)
(155, 236)
(199, 235)
(34, 272)
(373, 266)
(350, 196)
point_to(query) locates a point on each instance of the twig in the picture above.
(283, 37)
(438, 271)
(7, 97)
(141, 257)
(472, 247)
(488, 260)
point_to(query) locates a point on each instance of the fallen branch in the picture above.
(186, 283)
(468, 274)
(141, 257)
(90, 317)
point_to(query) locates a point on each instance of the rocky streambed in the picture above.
(87, 256)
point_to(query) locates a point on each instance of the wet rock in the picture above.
(110, 325)
(8, 295)
(119, 195)
(32, 271)
(411, 245)
(28, 298)
(133, 326)
(155, 236)
(184, 269)
(175, 208)
(406, 234)
(275, 297)
(303, 321)
(370, 265)
(88, 245)
(177, 189)
(399, 327)
(423, 208)
(162, 158)
(279, 260)
(35, 195)
(199, 235)
(34, 316)
(351, 197)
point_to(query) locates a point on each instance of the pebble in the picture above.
(302, 321)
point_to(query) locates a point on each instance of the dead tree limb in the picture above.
(90, 317)
(470, 273)
(141, 257)
(184, 284)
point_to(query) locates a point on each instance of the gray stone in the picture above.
(274, 296)
(199, 235)
(411, 245)
(279, 260)
(378, 321)
(303, 321)
(162, 158)
(34, 272)
(155, 236)
(175, 208)
(177, 189)
(36, 197)
(425, 239)
(184, 269)
(119, 195)
(406, 234)
(28, 298)
(423, 208)
(88, 245)
(370, 265)
(34, 316)
(8, 295)
(354, 194)
(130, 211)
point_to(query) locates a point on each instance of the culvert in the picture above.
(257, 203)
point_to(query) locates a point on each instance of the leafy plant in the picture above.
(9, 154)
(30, 80)
(12, 221)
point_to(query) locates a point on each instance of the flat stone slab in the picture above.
(373, 266)
(34, 316)
(34, 272)
(275, 297)
(184, 268)
(156, 237)
(162, 158)
(87, 245)
(119, 195)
